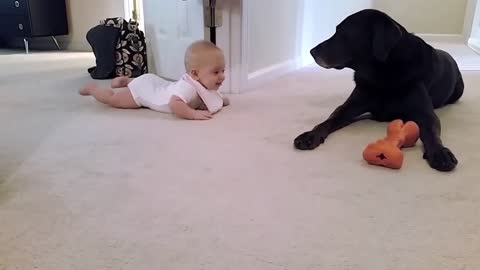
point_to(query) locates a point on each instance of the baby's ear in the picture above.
(194, 74)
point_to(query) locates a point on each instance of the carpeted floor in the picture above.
(85, 186)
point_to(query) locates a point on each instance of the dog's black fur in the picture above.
(397, 76)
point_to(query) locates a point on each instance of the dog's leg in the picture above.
(355, 105)
(422, 112)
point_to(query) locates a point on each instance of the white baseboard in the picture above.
(442, 37)
(474, 44)
(271, 72)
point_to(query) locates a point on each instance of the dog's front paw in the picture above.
(308, 141)
(441, 159)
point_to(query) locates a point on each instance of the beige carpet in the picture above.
(84, 186)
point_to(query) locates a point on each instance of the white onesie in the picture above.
(151, 91)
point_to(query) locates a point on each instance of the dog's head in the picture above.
(363, 37)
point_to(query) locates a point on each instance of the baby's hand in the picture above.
(226, 101)
(202, 115)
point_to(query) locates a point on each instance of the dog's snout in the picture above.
(318, 55)
(315, 51)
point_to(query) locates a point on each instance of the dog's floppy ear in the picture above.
(386, 34)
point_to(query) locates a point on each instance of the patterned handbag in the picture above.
(131, 49)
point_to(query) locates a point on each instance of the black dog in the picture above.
(397, 76)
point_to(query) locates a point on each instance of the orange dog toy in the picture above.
(387, 152)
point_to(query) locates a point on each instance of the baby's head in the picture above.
(205, 62)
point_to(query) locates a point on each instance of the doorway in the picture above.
(134, 10)
(171, 25)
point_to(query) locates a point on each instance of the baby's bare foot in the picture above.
(86, 91)
(120, 82)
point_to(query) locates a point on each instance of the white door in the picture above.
(170, 26)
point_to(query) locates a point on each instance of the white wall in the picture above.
(282, 32)
(427, 16)
(422, 17)
(272, 32)
(320, 17)
(83, 15)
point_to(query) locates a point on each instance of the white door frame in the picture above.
(128, 8)
(231, 37)
(472, 25)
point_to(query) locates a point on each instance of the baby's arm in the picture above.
(203, 106)
(226, 101)
(182, 110)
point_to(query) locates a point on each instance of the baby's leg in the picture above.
(122, 98)
(122, 81)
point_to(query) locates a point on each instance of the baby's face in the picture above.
(212, 74)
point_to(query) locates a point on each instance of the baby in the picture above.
(189, 98)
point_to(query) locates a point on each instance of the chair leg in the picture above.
(25, 42)
(56, 42)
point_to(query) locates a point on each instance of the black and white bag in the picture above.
(131, 49)
(119, 48)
